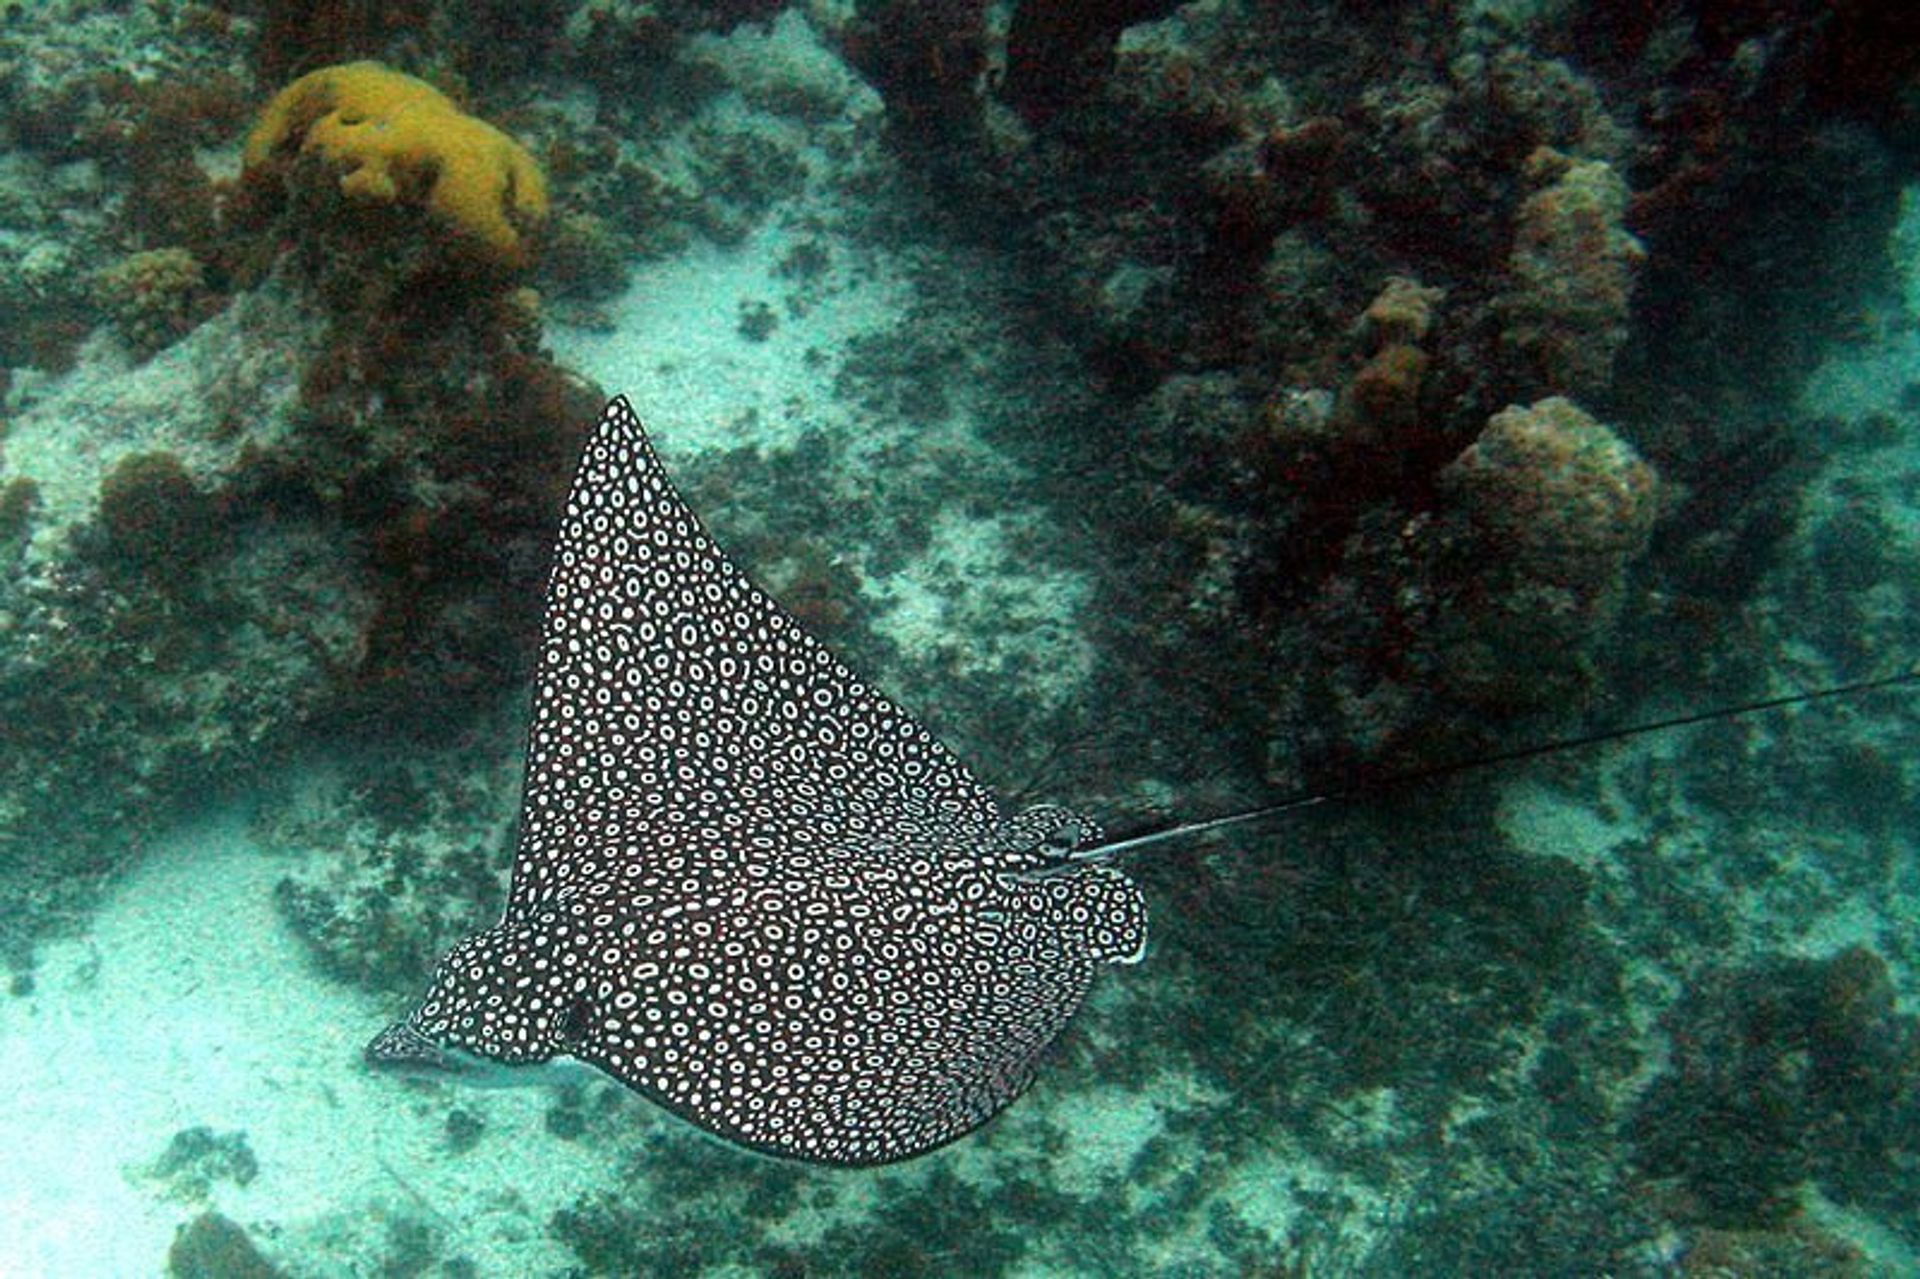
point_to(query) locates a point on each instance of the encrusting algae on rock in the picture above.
(402, 141)
(155, 297)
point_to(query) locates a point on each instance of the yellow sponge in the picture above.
(403, 141)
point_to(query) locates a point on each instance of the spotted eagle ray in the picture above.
(747, 885)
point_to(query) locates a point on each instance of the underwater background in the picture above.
(1174, 407)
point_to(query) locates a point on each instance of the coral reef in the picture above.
(1435, 627)
(926, 61)
(1402, 314)
(1783, 1073)
(585, 259)
(427, 413)
(226, 567)
(1217, 191)
(168, 615)
(153, 513)
(1573, 267)
(17, 501)
(398, 140)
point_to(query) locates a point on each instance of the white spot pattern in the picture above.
(749, 886)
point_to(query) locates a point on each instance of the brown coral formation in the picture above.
(1563, 495)
(1058, 54)
(1401, 314)
(1548, 509)
(1432, 627)
(154, 515)
(1381, 405)
(1572, 272)
(155, 297)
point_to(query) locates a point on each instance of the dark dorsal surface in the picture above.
(747, 885)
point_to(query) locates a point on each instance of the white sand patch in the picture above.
(1549, 822)
(676, 349)
(1110, 1126)
(1279, 1194)
(786, 61)
(190, 1004)
(675, 345)
(962, 606)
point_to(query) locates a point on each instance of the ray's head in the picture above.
(507, 996)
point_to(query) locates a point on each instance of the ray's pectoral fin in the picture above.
(506, 995)
(401, 1047)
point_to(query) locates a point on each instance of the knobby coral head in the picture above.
(398, 140)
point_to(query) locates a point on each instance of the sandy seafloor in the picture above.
(192, 1004)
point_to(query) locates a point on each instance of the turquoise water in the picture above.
(1174, 411)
